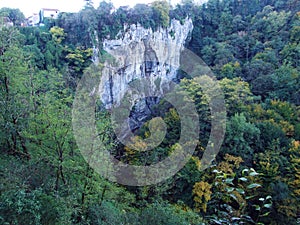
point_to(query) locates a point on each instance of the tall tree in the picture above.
(161, 13)
(15, 95)
(15, 15)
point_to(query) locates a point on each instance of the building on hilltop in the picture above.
(48, 13)
(33, 20)
(37, 19)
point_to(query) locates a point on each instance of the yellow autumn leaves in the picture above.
(202, 194)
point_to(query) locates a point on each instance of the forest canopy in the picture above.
(252, 47)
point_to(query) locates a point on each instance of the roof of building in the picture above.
(46, 9)
(33, 15)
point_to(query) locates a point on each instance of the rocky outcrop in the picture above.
(143, 54)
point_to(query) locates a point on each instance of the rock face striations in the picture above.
(142, 54)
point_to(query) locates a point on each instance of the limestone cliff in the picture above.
(141, 53)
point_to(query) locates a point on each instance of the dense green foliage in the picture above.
(252, 46)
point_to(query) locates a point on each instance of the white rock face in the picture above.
(140, 53)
